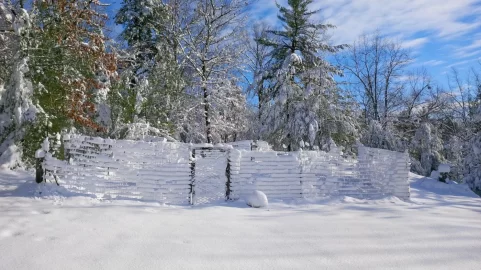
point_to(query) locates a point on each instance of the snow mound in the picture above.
(257, 199)
(444, 168)
(435, 175)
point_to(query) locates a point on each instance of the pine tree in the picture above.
(301, 75)
(8, 42)
(153, 77)
(141, 20)
(17, 108)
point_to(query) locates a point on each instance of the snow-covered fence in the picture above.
(182, 173)
(385, 171)
(375, 173)
(277, 174)
(157, 171)
(311, 174)
(210, 174)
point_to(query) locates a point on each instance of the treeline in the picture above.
(201, 71)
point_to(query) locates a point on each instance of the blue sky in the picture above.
(439, 34)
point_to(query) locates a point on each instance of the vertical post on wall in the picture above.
(39, 173)
(227, 174)
(192, 176)
(254, 145)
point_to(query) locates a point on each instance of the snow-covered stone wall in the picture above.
(182, 173)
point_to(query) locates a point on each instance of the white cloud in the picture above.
(265, 11)
(406, 17)
(446, 24)
(442, 19)
(461, 63)
(433, 63)
(470, 50)
(415, 43)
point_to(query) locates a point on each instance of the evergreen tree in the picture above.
(153, 78)
(8, 42)
(141, 20)
(17, 108)
(302, 77)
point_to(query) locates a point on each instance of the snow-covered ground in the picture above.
(440, 228)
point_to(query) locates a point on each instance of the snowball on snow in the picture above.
(444, 168)
(257, 199)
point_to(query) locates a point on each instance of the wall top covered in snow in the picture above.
(175, 173)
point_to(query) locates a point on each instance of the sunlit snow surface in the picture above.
(439, 228)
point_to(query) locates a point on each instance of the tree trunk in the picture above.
(289, 145)
(259, 113)
(385, 103)
(208, 131)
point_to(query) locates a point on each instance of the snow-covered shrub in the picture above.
(472, 162)
(383, 137)
(139, 131)
(444, 168)
(425, 148)
(453, 151)
(435, 175)
(257, 199)
(441, 173)
(11, 158)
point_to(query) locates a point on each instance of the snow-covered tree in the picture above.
(229, 115)
(302, 77)
(425, 149)
(387, 137)
(60, 70)
(153, 77)
(472, 161)
(213, 50)
(8, 41)
(17, 108)
(142, 20)
(257, 76)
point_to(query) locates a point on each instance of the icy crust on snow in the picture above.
(187, 173)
